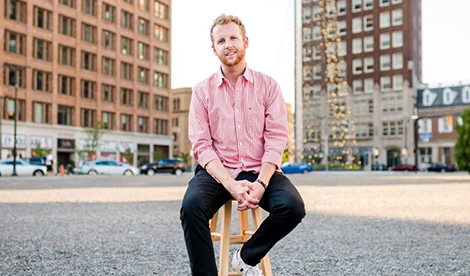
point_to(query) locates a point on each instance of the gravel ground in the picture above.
(356, 224)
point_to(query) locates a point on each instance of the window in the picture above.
(42, 81)
(160, 80)
(397, 39)
(66, 85)
(398, 82)
(357, 87)
(368, 4)
(385, 19)
(107, 93)
(317, 72)
(109, 66)
(466, 94)
(369, 85)
(341, 7)
(316, 13)
(15, 43)
(342, 27)
(143, 124)
(67, 25)
(68, 3)
(88, 89)
(126, 71)
(42, 18)
(306, 14)
(66, 55)
(357, 25)
(397, 61)
(306, 34)
(15, 10)
(383, 3)
(41, 113)
(144, 26)
(356, 5)
(316, 32)
(160, 56)
(11, 77)
(160, 33)
(144, 5)
(385, 41)
(368, 22)
(160, 126)
(396, 1)
(444, 124)
(160, 103)
(144, 51)
(425, 125)
(343, 47)
(357, 66)
(89, 33)
(109, 40)
(126, 122)
(126, 45)
(368, 44)
(385, 83)
(342, 66)
(108, 120)
(89, 7)
(317, 52)
(126, 96)
(369, 64)
(143, 75)
(143, 99)
(64, 115)
(126, 20)
(357, 45)
(42, 49)
(160, 10)
(397, 17)
(109, 13)
(384, 62)
(88, 61)
(10, 109)
(87, 117)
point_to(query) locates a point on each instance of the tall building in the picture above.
(88, 61)
(179, 121)
(361, 63)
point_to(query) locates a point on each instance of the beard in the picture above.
(232, 60)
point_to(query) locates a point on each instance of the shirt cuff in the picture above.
(206, 157)
(273, 158)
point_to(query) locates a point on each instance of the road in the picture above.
(357, 224)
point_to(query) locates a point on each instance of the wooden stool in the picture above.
(226, 239)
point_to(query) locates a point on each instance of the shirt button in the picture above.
(240, 143)
(237, 110)
(239, 127)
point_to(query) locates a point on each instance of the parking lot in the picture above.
(357, 223)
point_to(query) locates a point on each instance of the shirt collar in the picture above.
(248, 75)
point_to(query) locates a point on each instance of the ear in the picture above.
(213, 50)
(246, 42)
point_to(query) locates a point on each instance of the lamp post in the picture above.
(18, 70)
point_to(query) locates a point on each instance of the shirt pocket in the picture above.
(256, 121)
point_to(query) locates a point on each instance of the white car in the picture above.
(107, 166)
(22, 168)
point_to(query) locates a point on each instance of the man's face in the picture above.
(229, 44)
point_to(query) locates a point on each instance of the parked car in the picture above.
(36, 160)
(302, 167)
(107, 166)
(441, 167)
(23, 168)
(174, 166)
(378, 167)
(404, 167)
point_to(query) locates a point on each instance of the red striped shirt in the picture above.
(243, 126)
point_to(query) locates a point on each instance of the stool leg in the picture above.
(225, 239)
(265, 262)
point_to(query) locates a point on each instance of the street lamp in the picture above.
(18, 70)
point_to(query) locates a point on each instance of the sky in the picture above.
(270, 29)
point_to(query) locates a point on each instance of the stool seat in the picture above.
(226, 238)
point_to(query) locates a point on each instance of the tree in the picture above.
(462, 145)
(185, 157)
(94, 135)
(158, 155)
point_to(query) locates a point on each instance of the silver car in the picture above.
(22, 168)
(107, 167)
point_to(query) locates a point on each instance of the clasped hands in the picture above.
(248, 194)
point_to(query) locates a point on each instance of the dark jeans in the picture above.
(205, 196)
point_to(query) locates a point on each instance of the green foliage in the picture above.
(462, 144)
(94, 135)
(38, 151)
(158, 155)
(185, 157)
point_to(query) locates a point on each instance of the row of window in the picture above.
(17, 10)
(42, 79)
(444, 125)
(341, 7)
(449, 95)
(42, 114)
(387, 83)
(387, 62)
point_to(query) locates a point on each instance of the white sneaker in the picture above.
(240, 266)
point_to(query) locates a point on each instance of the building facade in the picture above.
(439, 112)
(87, 61)
(368, 52)
(179, 121)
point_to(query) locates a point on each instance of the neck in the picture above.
(233, 72)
